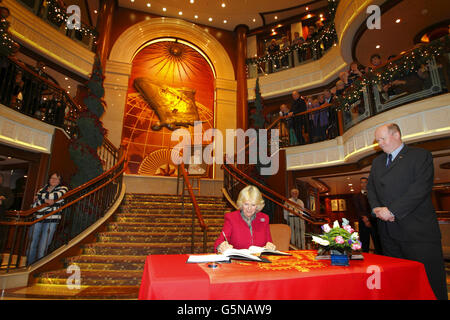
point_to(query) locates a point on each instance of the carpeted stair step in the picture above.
(143, 249)
(94, 277)
(104, 262)
(166, 219)
(220, 212)
(154, 237)
(157, 227)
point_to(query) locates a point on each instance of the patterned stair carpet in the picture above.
(111, 267)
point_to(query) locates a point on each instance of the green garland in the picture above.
(258, 117)
(408, 63)
(57, 15)
(327, 35)
(83, 150)
(7, 45)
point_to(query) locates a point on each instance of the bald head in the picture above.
(295, 95)
(388, 137)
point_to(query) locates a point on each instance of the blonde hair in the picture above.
(252, 194)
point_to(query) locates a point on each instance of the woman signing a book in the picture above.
(248, 226)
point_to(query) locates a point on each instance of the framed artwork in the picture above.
(342, 205)
(334, 205)
(194, 164)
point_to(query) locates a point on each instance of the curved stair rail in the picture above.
(234, 177)
(82, 207)
(195, 207)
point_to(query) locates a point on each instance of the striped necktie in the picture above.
(389, 161)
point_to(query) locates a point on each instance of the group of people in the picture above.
(322, 124)
(394, 208)
(41, 233)
(22, 92)
(303, 53)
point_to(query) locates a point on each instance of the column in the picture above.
(104, 27)
(241, 77)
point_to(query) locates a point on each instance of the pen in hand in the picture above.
(225, 236)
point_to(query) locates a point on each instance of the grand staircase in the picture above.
(111, 267)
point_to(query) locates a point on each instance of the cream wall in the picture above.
(118, 70)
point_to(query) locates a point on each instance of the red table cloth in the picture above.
(299, 276)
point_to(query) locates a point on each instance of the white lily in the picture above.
(320, 241)
(345, 222)
(336, 224)
(354, 236)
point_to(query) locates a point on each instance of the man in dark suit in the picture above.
(399, 192)
(299, 105)
(367, 223)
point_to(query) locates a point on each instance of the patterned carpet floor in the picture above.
(111, 267)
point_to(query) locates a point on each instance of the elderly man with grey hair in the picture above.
(296, 223)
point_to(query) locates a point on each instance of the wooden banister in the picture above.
(69, 193)
(194, 200)
(273, 193)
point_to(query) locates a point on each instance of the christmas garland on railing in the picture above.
(401, 67)
(326, 35)
(58, 16)
(7, 45)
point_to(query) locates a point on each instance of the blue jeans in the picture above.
(42, 235)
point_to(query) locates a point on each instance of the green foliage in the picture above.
(83, 150)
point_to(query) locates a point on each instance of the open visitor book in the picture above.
(253, 253)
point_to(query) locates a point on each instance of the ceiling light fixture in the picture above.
(210, 19)
(180, 13)
(223, 5)
(377, 46)
(397, 21)
(149, 5)
(224, 21)
(164, 9)
(254, 20)
(307, 8)
(196, 16)
(191, 1)
(276, 17)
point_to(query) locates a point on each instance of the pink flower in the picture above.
(356, 246)
(339, 239)
(349, 229)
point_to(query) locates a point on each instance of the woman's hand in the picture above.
(224, 246)
(270, 246)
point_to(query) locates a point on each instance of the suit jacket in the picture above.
(362, 206)
(405, 189)
(238, 233)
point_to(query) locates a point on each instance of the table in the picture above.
(299, 276)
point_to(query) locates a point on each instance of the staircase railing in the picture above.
(195, 207)
(82, 207)
(235, 180)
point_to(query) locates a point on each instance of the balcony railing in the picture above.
(54, 13)
(24, 90)
(294, 54)
(418, 74)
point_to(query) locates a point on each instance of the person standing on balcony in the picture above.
(42, 232)
(288, 124)
(299, 105)
(399, 192)
(296, 223)
(273, 50)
